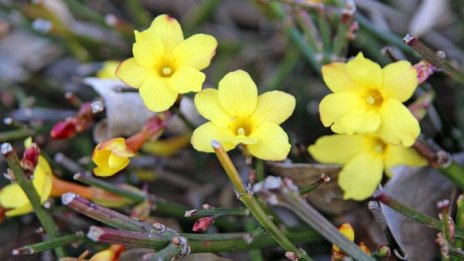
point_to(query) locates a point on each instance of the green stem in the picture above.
(106, 215)
(139, 14)
(217, 212)
(324, 29)
(177, 248)
(455, 173)
(26, 185)
(382, 34)
(259, 168)
(322, 179)
(438, 60)
(459, 243)
(15, 134)
(127, 238)
(309, 29)
(294, 202)
(285, 67)
(252, 204)
(199, 243)
(255, 254)
(456, 253)
(414, 215)
(50, 244)
(295, 36)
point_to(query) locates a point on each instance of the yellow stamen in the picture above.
(167, 71)
(241, 131)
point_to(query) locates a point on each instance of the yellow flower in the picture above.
(367, 98)
(347, 230)
(238, 116)
(165, 65)
(12, 197)
(108, 71)
(110, 254)
(364, 158)
(111, 156)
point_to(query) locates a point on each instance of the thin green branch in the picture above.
(284, 193)
(26, 185)
(252, 204)
(436, 58)
(415, 215)
(217, 212)
(50, 244)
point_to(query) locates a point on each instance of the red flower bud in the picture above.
(64, 129)
(30, 157)
(203, 224)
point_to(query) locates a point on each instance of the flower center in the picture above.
(242, 126)
(166, 71)
(378, 146)
(374, 98)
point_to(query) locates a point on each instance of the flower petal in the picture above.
(148, 48)
(43, 179)
(196, 51)
(203, 135)
(208, 105)
(274, 106)
(238, 93)
(131, 73)
(186, 79)
(360, 176)
(337, 148)
(336, 77)
(272, 142)
(398, 125)
(12, 196)
(399, 155)
(399, 81)
(336, 105)
(361, 121)
(104, 172)
(169, 31)
(364, 72)
(156, 94)
(116, 162)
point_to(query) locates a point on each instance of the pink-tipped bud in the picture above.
(203, 224)
(424, 70)
(30, 157)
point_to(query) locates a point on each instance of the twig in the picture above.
(252, 204)
(284, 193)
(177, 248)
(26, 185)
(414, 215)
(50, 244)
(217, 212)
(436, 58)
(199, 243)
(105, 215)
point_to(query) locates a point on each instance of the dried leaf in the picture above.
(125, 111)
(327, 197)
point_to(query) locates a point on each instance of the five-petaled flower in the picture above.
(13, 198)
(367, 99)
(165, 65)
(238, 116)
(364, 158)
(111, 156)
